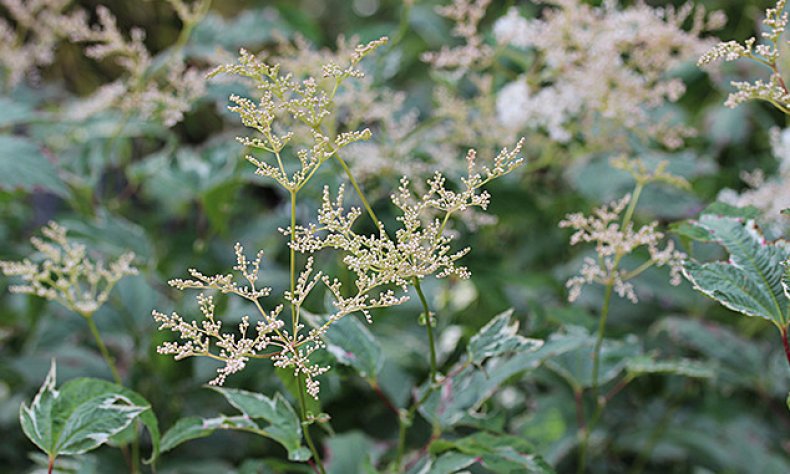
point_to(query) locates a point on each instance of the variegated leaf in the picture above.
(751, 281)
(73, 421)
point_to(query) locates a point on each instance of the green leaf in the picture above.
(690, 230)
(75, 421)
(688, 368)
(352, 344)
(350, 452)
(497, 453)
(451, 462)
(750, 283)
(283, 425)
(576, 365)
(728, 210)
(695, 231)
(499, 337)
(13, 112)
(85, 388)
(471, 384)
(23, 166)
(786, 279)
(193, 427)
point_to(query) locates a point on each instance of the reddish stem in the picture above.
(785, 343)
(384, 398)
(577, 396)
(51, 465)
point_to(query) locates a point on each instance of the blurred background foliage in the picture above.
(180, 197)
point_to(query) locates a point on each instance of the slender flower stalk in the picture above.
(612, 230)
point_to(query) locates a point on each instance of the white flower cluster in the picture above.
(775, 90)
(772, 195)
(600, 63)
(612, 242)
(163, 90)
(466, 14)
(421, 246)
(302, 106)
(62, 271)
(28, 41)
(268, 338)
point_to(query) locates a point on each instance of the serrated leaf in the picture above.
(685, 367)
(497, 453)
(23, 166)
(282, 423)
(70, 422)
(750, 283)
(499, 337)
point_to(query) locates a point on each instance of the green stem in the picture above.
(599, 339)
(135, 455)
(295, 320)
(361, 195)
(629, 213)
(600, 403)
(405, 420)
(294, 314)
(306, 426)
(428, 326)
(103, 349)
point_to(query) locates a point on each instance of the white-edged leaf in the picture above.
(71, 421)
(86, 388)
(686, 367)
(36, 420)
(93, 422)
(193, 427)
(284, 425)
(751, 281)
(281, 422)
(499, 337)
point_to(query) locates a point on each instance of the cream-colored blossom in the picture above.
(769, 195)
(601, 63)
(766, 52)
(612, 242)
(163, 91)
(265, 336)
(29, 36)
(421, 246)
(63, 271)
(291, 106)
(473, 53)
